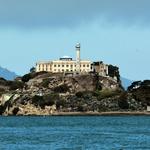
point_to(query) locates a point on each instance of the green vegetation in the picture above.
(46, 100)
(122, 102)
(134, 84)
(141, 91)
(13, 85)
(60, 102)
(61, 89)
(113, 71)
(15, 111)
(31, 75)
(2, 81)
(80, 94)
(32, 70)
(2, 109)
(45, 82)
(80, 108)
(26, 77)
(2, 90)
(105, 94)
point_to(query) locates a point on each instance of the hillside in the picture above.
(38, 93)
(48, 93)
(8, 75)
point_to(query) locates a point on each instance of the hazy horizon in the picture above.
(114, 31)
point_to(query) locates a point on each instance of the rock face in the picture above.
(46, 93)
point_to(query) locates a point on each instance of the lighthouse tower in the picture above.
(78, 57)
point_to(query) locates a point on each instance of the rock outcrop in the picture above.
(47, 93)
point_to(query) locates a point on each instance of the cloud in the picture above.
(71, 13)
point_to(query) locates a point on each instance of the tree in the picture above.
(113, 71)
(26, 77)
(122, 102)
(134, 85)
(32, 70)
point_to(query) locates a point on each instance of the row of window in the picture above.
(60, 70)
(71, 66)
(44, 65)
(44, 69)
(67, 70)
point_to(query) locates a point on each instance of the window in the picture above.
(83, 65)
(67, 65)
(54, 65)
(87, 65)
(62, 65)
(58, 65)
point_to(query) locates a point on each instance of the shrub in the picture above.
(60, 103)
(80, 108)
(37, 100)
(26, 77)
(145, 83)
(50, 99)
(122, 102)
(2, 109)
(96, 93)
(142, 94)
(46, 100)
(134, 84)
(106, 94)
(2, 90)
(2, 81)
(79, 94)
(32, 70)
(61, 89)
(15, 111)
(113, 71)
(16, 85)
(45, 83)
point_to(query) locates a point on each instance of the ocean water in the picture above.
(75, 133)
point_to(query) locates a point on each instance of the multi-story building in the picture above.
(100, 68)
(67, 64)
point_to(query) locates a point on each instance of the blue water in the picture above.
(75, 133)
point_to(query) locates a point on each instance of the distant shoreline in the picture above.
(100, 113)
(113, 113)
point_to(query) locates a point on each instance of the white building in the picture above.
(66, 64)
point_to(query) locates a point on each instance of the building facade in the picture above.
(100, 68)
(67, 64)
(63, 66)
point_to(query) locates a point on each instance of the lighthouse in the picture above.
(78, 57)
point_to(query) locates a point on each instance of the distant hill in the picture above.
(126, 82)
(5, 73)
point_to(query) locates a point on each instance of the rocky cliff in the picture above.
(46, 93)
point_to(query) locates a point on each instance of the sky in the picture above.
(114, 31)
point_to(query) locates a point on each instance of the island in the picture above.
(73, 87)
